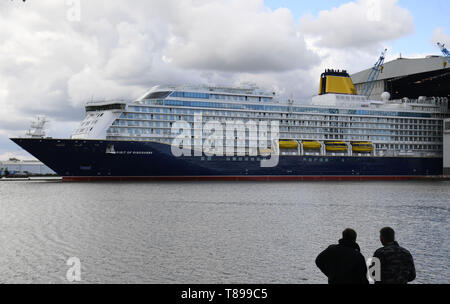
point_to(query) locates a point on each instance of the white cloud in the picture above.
(49, 65)
(360, 24)
(353, 35)
(441, 36)
(237, 36)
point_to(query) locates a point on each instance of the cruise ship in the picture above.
(338, 135)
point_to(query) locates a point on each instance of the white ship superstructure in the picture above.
(393, 127)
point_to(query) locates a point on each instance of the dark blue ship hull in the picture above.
(94, 160)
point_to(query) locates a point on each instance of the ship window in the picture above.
(85, 167)
(447, 125)
(157, 95)
(114, 106)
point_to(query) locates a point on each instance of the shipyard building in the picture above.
(447, 147)
(16, 167)
(413, 78)
(409, 78)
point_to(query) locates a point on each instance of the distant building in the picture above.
(410, 78)
(24, 167)
(447, 147)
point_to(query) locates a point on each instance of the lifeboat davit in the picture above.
(311, 145)
(336, 146)
(288, 144)
(266, 151)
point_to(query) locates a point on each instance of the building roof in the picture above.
(403, 67)
(20, 162)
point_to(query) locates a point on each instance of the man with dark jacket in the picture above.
(343, 263)
(397, 265)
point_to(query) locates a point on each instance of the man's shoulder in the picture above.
(386, 250)
(392, 250)
(404, 251)
(380, 251)
(331, 248)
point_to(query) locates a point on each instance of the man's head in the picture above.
(349, 235)
(387, 235)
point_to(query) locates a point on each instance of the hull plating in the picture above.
(89, 160)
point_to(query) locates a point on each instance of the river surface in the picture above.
(212, 232)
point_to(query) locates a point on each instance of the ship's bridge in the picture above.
(105, 106)
(99, 116)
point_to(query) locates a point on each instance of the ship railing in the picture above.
(95, 102)
(435, 101)
(399, 153)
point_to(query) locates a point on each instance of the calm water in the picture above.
(212, 232)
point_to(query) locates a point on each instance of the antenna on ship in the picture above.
(37, 127)
(290, 103)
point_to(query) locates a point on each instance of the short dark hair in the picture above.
(349, 234)
(388, 234)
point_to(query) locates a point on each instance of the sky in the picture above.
(57, 55)
(428, 15)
